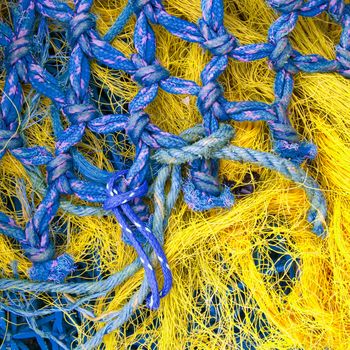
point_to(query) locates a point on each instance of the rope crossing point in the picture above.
(123, 192)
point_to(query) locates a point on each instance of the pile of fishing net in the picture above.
(174, 174)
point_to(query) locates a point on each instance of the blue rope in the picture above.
(122, 192)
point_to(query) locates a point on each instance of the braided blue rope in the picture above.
(199, 149)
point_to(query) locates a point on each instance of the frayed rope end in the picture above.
(199, 200)
(55, 270)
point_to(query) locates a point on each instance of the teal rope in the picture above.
(212, 148)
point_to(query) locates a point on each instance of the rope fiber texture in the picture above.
(163, 165)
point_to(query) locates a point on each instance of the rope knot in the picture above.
(286, 6)
(17, 49)
(217, 39)
(55, 270)
(79, 25)
(297, 152)
(38, 253)
(45, 266)
(278, 37)
(136, 125)
(208, 95)
(57, 171)
(120, 197)
(80, 113)
(203, 146)
(221, 45)
(118, 194)
(280, 55)
(149, 7)
(202, 191)
(150, 74)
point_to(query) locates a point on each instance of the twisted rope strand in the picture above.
(68, 172)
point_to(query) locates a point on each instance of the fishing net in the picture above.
(174, 174)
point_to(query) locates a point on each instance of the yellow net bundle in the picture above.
(228, 290)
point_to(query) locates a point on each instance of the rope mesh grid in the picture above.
(28, 62)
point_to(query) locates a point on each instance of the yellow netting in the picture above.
(211, 254)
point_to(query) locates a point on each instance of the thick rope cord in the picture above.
(123, 191)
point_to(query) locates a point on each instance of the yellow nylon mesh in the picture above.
(209, 251)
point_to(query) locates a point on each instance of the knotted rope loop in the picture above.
(208, 96)
(278, 37)
(201, 149)
(42, 252)
(80, 25)
(151, 8)
(59, 166)
(209, 148)
(116, 197)
(201, 190)
(58, 172)
(286, 6)
(138, 121)
(151, 74)
(219, 42)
